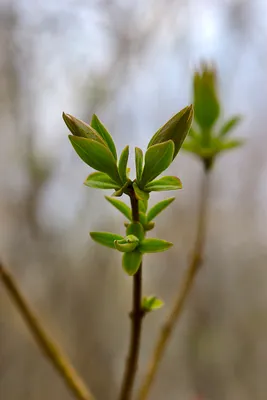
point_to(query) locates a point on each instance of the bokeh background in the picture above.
(131, 63)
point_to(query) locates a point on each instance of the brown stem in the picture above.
(183, 293)
(45, 343)
(136, 321)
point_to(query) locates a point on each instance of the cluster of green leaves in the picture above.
(205, 139)
(133, 245)
(95, 146)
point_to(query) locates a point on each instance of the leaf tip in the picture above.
(66, 116)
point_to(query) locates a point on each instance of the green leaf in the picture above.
(229, 125)
(230, 144)
(123, 164)
(140, 194)
(151, 303)
(199, 150)
(81, 129)
(164, 183)
(154, 245)
(157, 159)
(122, 207)
(103, 132)
(100, 180)
(138, 163)
(194, 134)
(191, 145)
(96, 155)
(175, 129)
(136, 229)
(128, 244)
(206, 101)
(157, 208)
(120, 192)
(105, 238)
(142, 204)
(131, 262)
(142, 218)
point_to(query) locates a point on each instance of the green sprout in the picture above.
(205, 139)
(95, 147)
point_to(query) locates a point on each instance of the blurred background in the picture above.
(131, 63)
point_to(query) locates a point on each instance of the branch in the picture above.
(51, 350)
(185, 289)
(136, 322)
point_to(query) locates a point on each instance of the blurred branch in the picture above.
(185, 289)
(46, 344)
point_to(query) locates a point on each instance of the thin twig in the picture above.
(45, 343)
(136, 322)
(184, 291)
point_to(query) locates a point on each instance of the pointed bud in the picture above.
(175, 129)
(149, 226)
(81, 129)
(206, 102)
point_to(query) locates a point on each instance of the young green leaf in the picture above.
(196, 148)
(123, 164)
(136, 229)
(151, 303)
(128, 244)
(194, 134)
(175, 129)
(140, 194)
(100, 180)
(96, 155)
(105, 238)
(131, 262)
(191, 145)
(157, 159)
(120, 192)
(153, 245)
(229, 125)
(142, 204)
(157, 208)
(164, 183)
(138, 163)
(125, 247)
(142, 218)
(230, 144)
(122, 207)
(81, 129)
(103, 132)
